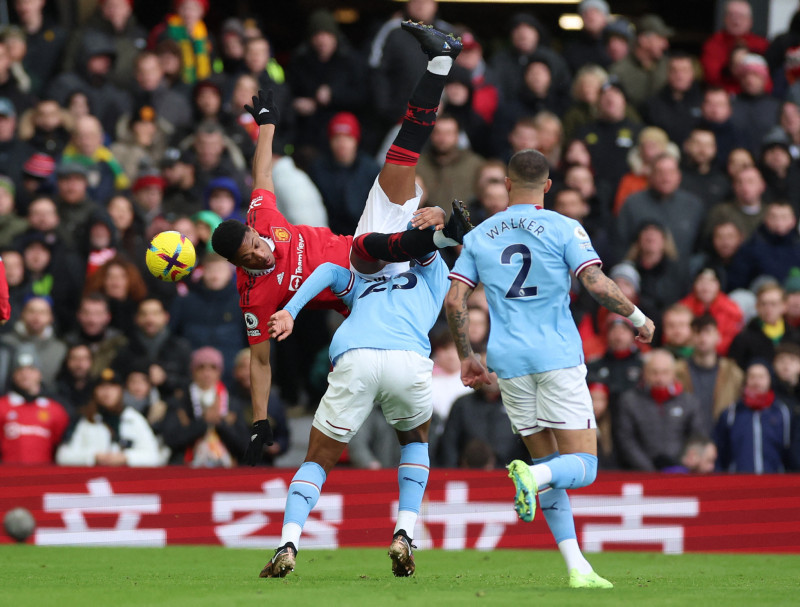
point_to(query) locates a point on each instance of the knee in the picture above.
(590, 468)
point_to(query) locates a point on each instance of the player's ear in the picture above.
(548, 185)
(507, 182)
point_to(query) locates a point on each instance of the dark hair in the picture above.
(528, 166)
(702, 322)
(227, 238)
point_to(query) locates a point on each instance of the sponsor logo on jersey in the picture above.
(251, 320)
(280, 278)
(281, 234)
(294, 282)
(256, 202)
(301, 247)
(581, 233)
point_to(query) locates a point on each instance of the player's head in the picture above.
(528, 169)
(242, 245)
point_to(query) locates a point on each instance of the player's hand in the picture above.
(645, 332)
(473, 373)
(264, 110)
(426, 217)
(280, 325)
(260, 436)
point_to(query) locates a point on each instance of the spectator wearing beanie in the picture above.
(589, 45)
(755, 111)
(344, 174)
(326, 76)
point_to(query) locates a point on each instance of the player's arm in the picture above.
(265, 113)
(473, 373)
(606, 292)
(340, 281)
(260, 382)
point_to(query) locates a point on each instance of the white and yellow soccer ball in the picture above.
(170, 256)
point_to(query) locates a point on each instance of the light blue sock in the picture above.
(555, 505)
(304, 492)
(412, 478)
(572, 471)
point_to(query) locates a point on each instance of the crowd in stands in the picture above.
(684, 170)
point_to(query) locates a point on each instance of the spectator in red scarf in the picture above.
(752, 435)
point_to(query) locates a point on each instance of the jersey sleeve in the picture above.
(339, 279)
(466, 269)
(579, 252)
(434, 271)
(263, 212)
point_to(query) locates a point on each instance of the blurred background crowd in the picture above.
(120, 119)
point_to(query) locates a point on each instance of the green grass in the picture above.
(197, 576)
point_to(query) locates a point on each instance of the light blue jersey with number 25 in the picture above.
(523, 257)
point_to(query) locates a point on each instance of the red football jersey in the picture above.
(299, 250)
(32, 430)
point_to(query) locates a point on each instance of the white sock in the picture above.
(442, 241)
(574, 557)
(440, 65)
(541, 474)
(406, 520)
(291, 533)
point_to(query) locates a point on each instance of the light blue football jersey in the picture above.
(392, 314)
(523, 256)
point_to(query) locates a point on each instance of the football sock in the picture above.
(400, 246)
(412, 478)
(303, 494)
(421, 114)
(570, 471)
(554, 504)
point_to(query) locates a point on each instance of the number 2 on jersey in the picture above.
(516, 290)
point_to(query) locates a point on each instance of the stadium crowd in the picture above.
(684, 170)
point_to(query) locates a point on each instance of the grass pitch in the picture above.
(197, 576)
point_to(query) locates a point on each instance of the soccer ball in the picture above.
(170, 256)
(19, 524)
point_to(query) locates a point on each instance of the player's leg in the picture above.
(406, 397)
(399, 171)
(413, 244)
(341, 412)
(564, 459)
(303, 494)
(395, 196)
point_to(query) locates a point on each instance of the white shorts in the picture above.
(552, 399)
(382, 215)
(399, 380)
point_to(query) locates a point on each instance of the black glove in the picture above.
(261, 435)
(264, 110)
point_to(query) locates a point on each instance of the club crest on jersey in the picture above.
(281, 234)
(294, 282)
(581, 233)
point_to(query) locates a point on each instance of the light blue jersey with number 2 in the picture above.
(523, 257)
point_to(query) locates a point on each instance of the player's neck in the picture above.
(526, 197)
